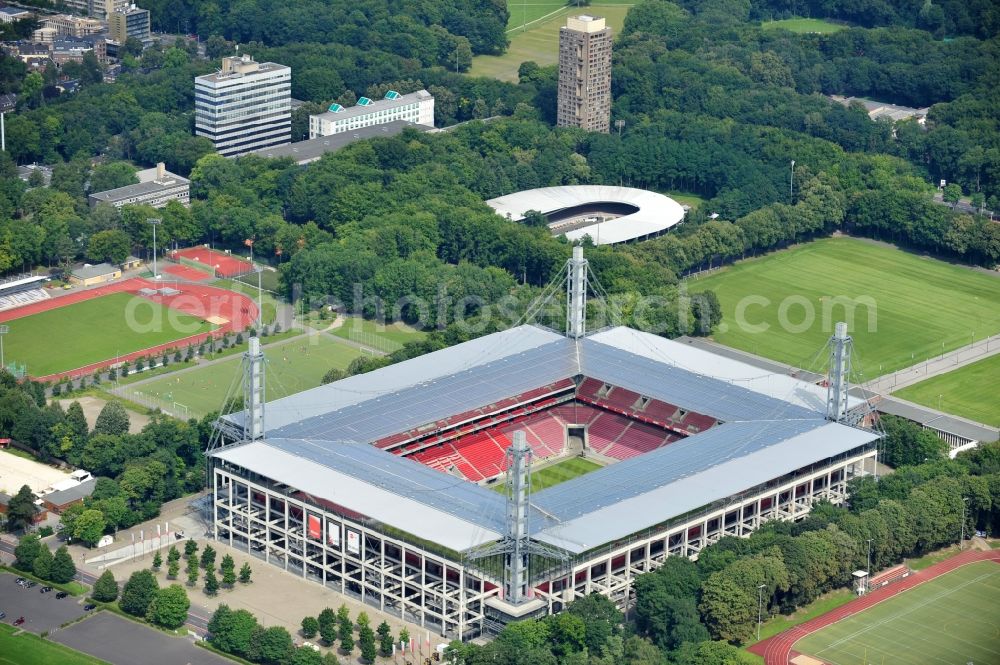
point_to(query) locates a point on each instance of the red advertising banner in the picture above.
(314, 527)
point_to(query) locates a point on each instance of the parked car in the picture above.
(20, 580)
(30, 584)
(18, 621)
(89, 607)
(62, 594)
(3, 615)
(45, 589)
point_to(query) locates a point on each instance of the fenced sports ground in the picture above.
(946, 613)
(220, 263)
(80, 332)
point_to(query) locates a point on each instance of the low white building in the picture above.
(416, 107)
(156, 187)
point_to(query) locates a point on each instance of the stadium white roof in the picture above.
(656, 213)
(318, 440)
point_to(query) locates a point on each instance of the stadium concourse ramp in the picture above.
(779, 650)
(229, 311)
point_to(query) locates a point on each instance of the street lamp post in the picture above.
(3, 331)
(760, 605)
(155, 222)
(791, 183)
(961, 538)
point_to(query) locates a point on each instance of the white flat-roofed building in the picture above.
(156, 187)
(416, 107)
(245, 106)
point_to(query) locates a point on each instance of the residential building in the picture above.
(11, 14)
(304, 152)
(73, 26)
(244, 106)
(133, 22)
(109, 7)
(90, 275)
(8, 102)
(584, 74)
(156, 188)
(416, 107)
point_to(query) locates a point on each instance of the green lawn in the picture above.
(557, 473)
(384, 337)
(684, 198)
(907, 308)
(540, 42)
(94, 330)
(803, 25)
(29, 649)
(827, 603)
(951, 619)
(970, 391)
(291, 367)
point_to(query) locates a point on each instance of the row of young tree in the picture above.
(696, 612)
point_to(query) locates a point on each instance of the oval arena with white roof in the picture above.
(608, 214)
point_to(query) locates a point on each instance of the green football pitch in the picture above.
(906, 308)
(954, 618)
(93, 330)
(292, 366)
(557, 473)
(28, 649)
(539, 42)
(803, 25)
(970, 391)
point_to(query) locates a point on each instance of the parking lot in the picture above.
(41, 611)
(122, 642)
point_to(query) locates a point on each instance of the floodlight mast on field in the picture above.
(154, 221)
(868, 577)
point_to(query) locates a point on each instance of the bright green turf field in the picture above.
(384, 337)
(803, 25)
(972, 391)
(28, 649)
(908, 305)
(540, 42)
(557, 473)
(952, 619)
(291, 367)
(93, 330)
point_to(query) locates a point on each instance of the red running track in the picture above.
(204, 302)
(226, 265)
(777, 650)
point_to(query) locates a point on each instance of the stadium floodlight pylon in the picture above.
(576, 294)
(516, 545)
(842, 371)
(252, 375)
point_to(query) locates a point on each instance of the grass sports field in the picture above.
(951, 619)
(91, 331)
(970, 391)
(909, 308)
(292, 366)
(28, 649)
(384, 337)
(540, 42)
(803, 25)
(557, 473)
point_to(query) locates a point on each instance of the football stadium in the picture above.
(382, 485)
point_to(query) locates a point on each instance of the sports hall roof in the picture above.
(318, 440)
(656, 212)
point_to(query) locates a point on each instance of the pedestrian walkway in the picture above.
(946, 362)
